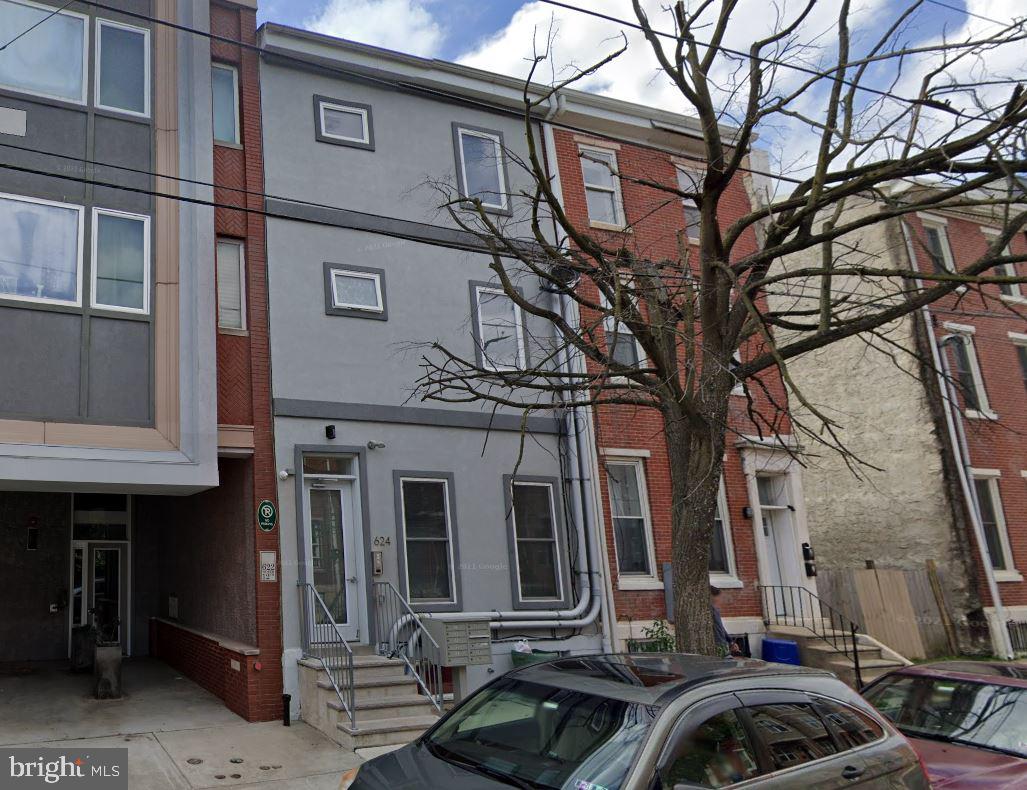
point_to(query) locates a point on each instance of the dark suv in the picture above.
(653, 721)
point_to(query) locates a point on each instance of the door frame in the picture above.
(126, 556)
(763, 457)
(359, 516)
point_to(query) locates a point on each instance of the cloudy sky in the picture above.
(498, 35)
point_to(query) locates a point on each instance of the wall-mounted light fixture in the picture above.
(746, 512)
(373, 445)
(329, 431)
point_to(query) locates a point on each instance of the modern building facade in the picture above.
(948, 447)
(131, 429)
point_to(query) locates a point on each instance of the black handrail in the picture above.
(793, 605)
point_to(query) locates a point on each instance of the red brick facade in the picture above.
(996, 440)
(656, 220)
(244, 389)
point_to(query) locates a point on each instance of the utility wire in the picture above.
(37, 24)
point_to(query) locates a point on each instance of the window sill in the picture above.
(609, 226)
(1008, 576)
(724, 582)
(226, 330)
(226, 144)
(987, 414)
(1011, 299)
(638, 583)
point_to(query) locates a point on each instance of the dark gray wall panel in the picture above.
(125, 143)
(119, 370)
(52, 129)
(40, 373)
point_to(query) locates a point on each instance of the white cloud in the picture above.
(403, 25)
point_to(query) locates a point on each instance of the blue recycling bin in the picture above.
(781, 651)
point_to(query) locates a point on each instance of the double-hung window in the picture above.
(722, 561)
(50, 59)
(536, 549)
(343, 122)
(936, 243)
(993, 522)
(629, 510)
(1010, 291)
(231, 265)
(966, 371)
(622, 347)
(40, 250)
(428, 539)
(121, 261)
(480, 166)
(225, 95)
(690, 180)
(122, 67)
(602, 186)
(499, 329)
(1020, 345)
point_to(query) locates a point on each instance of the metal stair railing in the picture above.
(794, 605)
(322, 641)
(401, 634)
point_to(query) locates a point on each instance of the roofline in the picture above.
(630, 119)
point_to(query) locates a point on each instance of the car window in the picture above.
(851, 727)
(792, 733)
(716, 753)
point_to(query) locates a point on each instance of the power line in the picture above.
(966, 12)
(37, 24)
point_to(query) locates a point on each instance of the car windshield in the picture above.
(988, 715)
(532, 735)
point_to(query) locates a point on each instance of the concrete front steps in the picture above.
(875, 659)
(389, 708)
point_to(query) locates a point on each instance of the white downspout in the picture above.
(957, 438)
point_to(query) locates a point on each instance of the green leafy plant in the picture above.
(660, 637)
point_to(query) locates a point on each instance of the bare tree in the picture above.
(702, 320)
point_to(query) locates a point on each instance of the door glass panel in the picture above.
(327, 551)
(793, 733)
(327, 465)
(107, 594)
(76, 589)
(717, 753)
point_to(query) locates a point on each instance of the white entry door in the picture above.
(332, 558)
(782, 549)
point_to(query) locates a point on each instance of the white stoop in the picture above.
(390, 710)
(875, 659)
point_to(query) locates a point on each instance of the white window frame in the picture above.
(992, 476)
(966, 335)
(1005, 270)
(85, 56)
(449, 540)
(941, 225)
(323, 105)
(610, 326)
(698, 175)
(373, 276)
(77, 302)
(730, 579)
(242, 284)
(618, 198)
(235, 95)
(522, 356)
(145, 310)
(635, 581)
(558, 558)
(461, 131)
(100, 23)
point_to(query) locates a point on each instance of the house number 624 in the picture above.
(382, 540)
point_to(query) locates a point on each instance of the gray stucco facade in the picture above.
(336, 371)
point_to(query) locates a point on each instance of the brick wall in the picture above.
(994, 444)
(656, 219)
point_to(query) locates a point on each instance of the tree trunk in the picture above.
(696, 461)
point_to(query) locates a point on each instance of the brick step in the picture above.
(385, 732)
(388, 708)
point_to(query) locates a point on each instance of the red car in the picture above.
(966, 719)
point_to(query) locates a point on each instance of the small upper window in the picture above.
(123, 67)
(690, 181)
(356, 291)
(40, 250)
(49, 59)
(966, 371)
(937, 242)
(500, 331)
(343, 123)
(482, 171)
(225, 93)
(121, 261)
(231, 265)
(602, 186)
